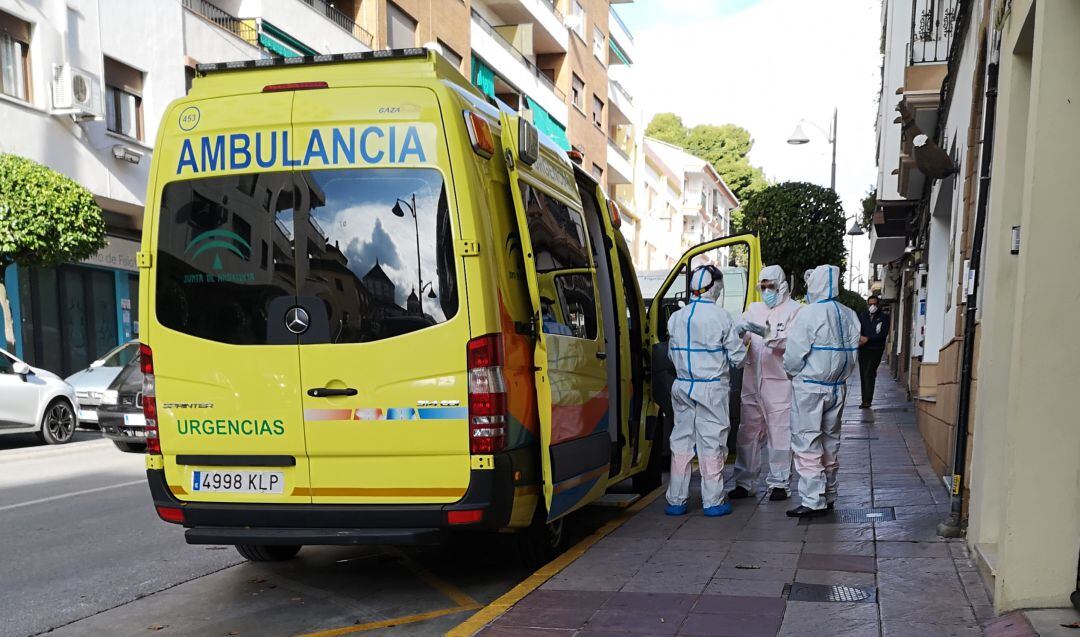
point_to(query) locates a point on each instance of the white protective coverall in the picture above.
(766, 391)
(822, 345)
(703, 347)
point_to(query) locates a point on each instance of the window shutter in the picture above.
(16, 28)
(123, 77)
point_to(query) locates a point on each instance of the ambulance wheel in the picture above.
(267, 552)
(652, 476)
(130, 447)
(542, 541)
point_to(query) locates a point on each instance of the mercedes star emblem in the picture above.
(297, 320)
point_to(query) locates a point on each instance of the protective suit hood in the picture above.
(776, 274)
(707, 282)
(823, 283)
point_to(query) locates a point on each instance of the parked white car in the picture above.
(35, 400)
(90, 384)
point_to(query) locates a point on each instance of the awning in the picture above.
(619, 52)
(281, 43)
(547, 125)
(483, 77)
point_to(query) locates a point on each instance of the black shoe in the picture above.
(830, 506)
(864, 406)
(806, 512)
(739, 493)
(776, 495)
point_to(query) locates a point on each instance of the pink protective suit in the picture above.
(765, 428)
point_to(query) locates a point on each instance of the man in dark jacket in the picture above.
(875, 329)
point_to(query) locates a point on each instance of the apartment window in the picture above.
(400, 28)
(599, 45)
(577, 14)
(577, 92)
(597, 172)
(598, 111)
(450, 55)
(14, 57)
(123, 99)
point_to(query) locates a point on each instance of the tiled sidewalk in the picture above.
(657, 575)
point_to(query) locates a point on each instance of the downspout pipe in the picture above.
(952, 527)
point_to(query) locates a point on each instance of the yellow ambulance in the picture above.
(377, 309)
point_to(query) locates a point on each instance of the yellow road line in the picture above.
(386, 623)
(492, 611)
(459, 597)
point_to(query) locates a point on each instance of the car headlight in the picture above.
(110, 397)
(82, 394)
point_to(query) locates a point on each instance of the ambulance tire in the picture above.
(541, 542)
(267, 552)
(130, 447)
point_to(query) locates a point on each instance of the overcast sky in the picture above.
(764, 64)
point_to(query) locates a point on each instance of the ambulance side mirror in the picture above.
(528, 142)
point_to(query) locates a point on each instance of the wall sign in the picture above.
(118, 254)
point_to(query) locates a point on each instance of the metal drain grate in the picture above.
(829, 593)
(853, 516)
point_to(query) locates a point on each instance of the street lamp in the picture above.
(398, 212)
(854, 231)
(799, 138)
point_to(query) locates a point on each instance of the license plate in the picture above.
(134, 420)
(237, 481)
(87, 415)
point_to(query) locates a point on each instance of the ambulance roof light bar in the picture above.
(383, 54)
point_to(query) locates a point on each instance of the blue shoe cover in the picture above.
(675, 509)
(717, 511)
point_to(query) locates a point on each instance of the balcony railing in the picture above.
(933, 26)
(535, 70)
(622, 24)
(342, 20)
(551, 5)
(230, 23)
(622, 90)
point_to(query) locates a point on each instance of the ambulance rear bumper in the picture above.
(491, 491)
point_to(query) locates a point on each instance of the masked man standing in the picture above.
(766, 392)
(820, 356)
(704, 345)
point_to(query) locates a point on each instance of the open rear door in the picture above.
(571, 376)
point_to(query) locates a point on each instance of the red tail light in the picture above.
(487, 395)
(171, 514)
(467, 516)
(149, 401)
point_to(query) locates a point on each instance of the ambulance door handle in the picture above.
(326, 392)
(601, 355)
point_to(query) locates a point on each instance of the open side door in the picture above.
(567, 323)
(739, 259)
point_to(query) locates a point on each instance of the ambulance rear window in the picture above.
(368, 252)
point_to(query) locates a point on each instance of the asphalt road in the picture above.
(83, 553)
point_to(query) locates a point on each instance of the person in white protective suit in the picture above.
(822, 346)
(704, 345)
(766, 392)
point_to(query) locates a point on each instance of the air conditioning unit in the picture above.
(76, 92)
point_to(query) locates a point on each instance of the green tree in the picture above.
(668, 127)
(725, 147)
(800, 225)
(45, 219)
(869, 204)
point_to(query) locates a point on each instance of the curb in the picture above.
(501, 605)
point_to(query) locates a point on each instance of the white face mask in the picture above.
(872, 309)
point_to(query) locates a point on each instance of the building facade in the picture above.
(547, 59)
(682, 201)
(976, 139)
